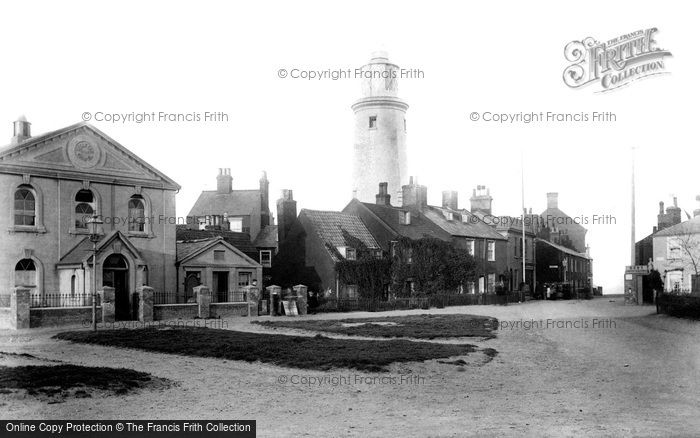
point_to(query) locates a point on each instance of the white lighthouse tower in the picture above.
(380, 131)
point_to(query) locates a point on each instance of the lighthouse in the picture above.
(380, 131)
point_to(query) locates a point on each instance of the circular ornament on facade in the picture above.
(83, 152)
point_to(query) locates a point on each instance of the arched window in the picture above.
(84, 208)
(72, 285)
(25, 273)
(137, 214)
(25, 206)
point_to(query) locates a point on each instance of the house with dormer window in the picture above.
(415, 219)
(315, 242)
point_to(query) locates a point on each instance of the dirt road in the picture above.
(563, 368)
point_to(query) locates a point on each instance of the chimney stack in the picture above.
(450, 199)
(414, 195)
(671, 217)
(224, 182)
(286, 214)
(552, 200)
(22, 130)
(383, 197)
(481, 199)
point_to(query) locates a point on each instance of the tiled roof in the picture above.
(691, 226)
(239, 240)
(418, 228)
(185, 249)
(267, 238)
(505, 223)
(473, 227)
(78, 253)
(565, 249)
(332, 228)
(236, 203)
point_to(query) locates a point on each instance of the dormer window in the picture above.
(405, 217)
(350, 254)
(465, 218)
(449, 215)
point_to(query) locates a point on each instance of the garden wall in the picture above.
(174, 311)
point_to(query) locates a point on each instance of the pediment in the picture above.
(82, 152)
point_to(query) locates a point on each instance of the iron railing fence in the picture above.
(62, 300)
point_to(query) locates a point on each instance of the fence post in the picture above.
(252, 294)
(203, 295)
(145, 303)
(274, 303)
(107, 303)
(300, 290)
(19, 308)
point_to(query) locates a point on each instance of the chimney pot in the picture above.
(224, 182)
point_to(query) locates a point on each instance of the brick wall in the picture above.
(174, 311)
(54, 316)
(225, 310)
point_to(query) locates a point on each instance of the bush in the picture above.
(683, 306)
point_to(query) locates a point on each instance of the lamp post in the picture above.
(94, 228)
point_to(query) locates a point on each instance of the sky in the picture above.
(63, 60)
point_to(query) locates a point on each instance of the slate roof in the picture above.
(565, 249)
(506, 223)
(267, 238)
(186, 249)
(691, 226)
(473, 227)
(550, 213)
(78, 253)
(236, 203)
(419, 228)
(332, 226)
(239, 240)
(84, 249)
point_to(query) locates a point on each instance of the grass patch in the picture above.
(412, 326)
(73, 380)
(319, 352)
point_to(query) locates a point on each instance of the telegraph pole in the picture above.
(633, 231)
(522, 198)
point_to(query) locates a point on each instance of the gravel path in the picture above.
(634, 374)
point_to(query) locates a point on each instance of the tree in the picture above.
(687, 242)
(432, 265)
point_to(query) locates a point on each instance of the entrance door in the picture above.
(115, 273)
(221, 286)
(192, 280)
